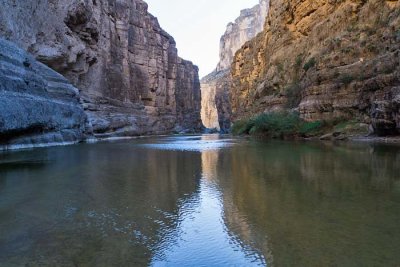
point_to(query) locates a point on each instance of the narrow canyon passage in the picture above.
(199, 133)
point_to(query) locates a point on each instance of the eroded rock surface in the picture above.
(330, 60)
(37, 105)
(216, 108)
(127, 68)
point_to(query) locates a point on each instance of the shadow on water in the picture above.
(234, 202)
(96, 205)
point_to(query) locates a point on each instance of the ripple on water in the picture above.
(197, 144)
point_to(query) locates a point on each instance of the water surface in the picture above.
(201, 201)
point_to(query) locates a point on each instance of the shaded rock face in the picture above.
(330, 60)
(37, 105)
(216, 108)
(127, 68)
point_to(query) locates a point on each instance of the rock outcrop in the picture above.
(37, 105)
(330, 60)
(127, 68)
(215, 87)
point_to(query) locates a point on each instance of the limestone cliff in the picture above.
(215, 87)
(246, 27)
(127, 68)
(331, 60)
(37, 105)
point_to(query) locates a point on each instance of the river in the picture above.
(201, 201)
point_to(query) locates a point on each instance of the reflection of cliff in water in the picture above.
(230, 201)
(314, 205)
(239, 231)
(118, 210)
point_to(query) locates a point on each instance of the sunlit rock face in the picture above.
(215, 87)
(37, 105)
(246, 27)
(126, 67)
(216, 108)
(209, 113)
(330, 60)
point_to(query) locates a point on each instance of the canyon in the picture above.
(79, 70)
(105, 72)
(215, 87)
(332, 61)
(130, 78)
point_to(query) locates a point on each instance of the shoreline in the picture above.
(92, 140)
(376, 139)
(394, 140)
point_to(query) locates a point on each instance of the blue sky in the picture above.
(197, 26)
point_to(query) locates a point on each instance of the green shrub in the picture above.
(311, 128)
(280, 67)
(370, 31)
(347, 79)
(241, 127)
(299, 61)
(372, 48)
(310, 64)
(273, 124)
(340, 126)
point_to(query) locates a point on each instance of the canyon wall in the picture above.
(215, 87)
(127, 68)
(37, 105)
(330, 60)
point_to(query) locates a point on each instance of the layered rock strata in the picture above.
(330, 60)
(215, 87)
(37, 105)
(127, 68)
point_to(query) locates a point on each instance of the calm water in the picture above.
(201, 201)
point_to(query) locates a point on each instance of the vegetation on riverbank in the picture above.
(287, 125)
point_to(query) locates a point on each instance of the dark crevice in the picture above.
(7, 136)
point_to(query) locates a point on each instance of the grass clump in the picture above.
(310, 64)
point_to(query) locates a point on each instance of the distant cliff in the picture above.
(246, 27)
(216, 86)
(330, 60)
(131, 80)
